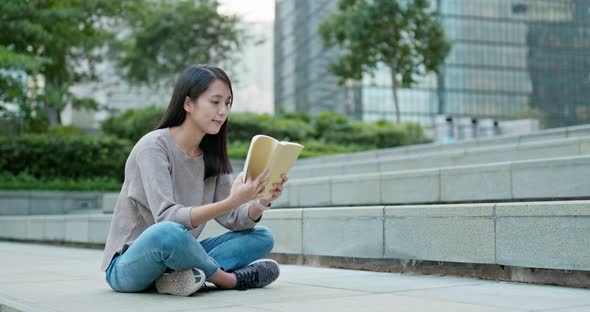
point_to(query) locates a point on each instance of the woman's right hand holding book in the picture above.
(243, 191)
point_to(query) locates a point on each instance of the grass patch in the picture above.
(27, 182)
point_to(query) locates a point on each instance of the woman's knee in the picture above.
(168, 234)
(265, 236)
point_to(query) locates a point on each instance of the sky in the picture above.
(249, 10)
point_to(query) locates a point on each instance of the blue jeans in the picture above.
(169, 245)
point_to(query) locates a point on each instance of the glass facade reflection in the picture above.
(507, 55)
(301, 79)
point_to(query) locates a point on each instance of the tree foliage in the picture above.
(169, 35)
(55, 44)
(403, 35)
(13, 82)
(47, 46)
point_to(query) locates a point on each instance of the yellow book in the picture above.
(266, 151)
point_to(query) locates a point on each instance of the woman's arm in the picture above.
(225, 208)
(202, 214)
(153, 188)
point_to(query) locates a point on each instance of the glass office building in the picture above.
(507, 56)
(301, 80)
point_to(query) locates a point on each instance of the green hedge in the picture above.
(65, 130)
(132, 124)
(25, 181)
(333, 129)
(243, 126)
(64, 156)
(66, 159)
(377, 135)
(316, 148)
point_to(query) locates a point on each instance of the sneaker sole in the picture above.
(181, 283)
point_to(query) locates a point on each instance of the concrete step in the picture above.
(543, 135)
(47, 202)
(34, 202)
(542, 179)
(85, 211)
(458, 157)
(551, 235)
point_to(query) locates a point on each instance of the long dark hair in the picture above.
(193, 81)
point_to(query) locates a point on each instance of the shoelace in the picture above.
(246, 278)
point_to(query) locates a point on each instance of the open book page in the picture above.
(279, 157)
(259, 153)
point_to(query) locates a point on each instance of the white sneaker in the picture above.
(181, 283)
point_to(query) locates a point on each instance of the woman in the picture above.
(177, 178)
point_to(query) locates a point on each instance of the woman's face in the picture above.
(210, 110)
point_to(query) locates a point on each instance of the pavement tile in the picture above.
(61, 279)
(377, 303)
(513, 295)
(374, 282)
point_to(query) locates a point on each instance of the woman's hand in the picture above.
(243, 192)
(276, 192)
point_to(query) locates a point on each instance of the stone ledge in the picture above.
(456, 157)
(518, 234)
(566, 132)
(552, 178)
(48, 202)
(568, 278)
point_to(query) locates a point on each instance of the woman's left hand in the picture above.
(276, 192)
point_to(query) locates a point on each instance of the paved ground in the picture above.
(49, 278)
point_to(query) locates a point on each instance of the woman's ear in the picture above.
(187, 104)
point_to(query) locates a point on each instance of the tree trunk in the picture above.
(58, 115)
(54, 104)
(393, 70)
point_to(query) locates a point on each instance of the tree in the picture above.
(59, 43)
(56, 43)
(167, 36)
(13, 65)
(404, 35)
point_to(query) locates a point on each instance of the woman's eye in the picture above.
(215, 102)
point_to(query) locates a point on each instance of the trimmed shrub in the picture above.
(133, 124)
(329, 123)
(332, 129)
(66, 130)
(243, 126)
(414, 134)
(43, 156)
(316, 148)
(238, 149)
